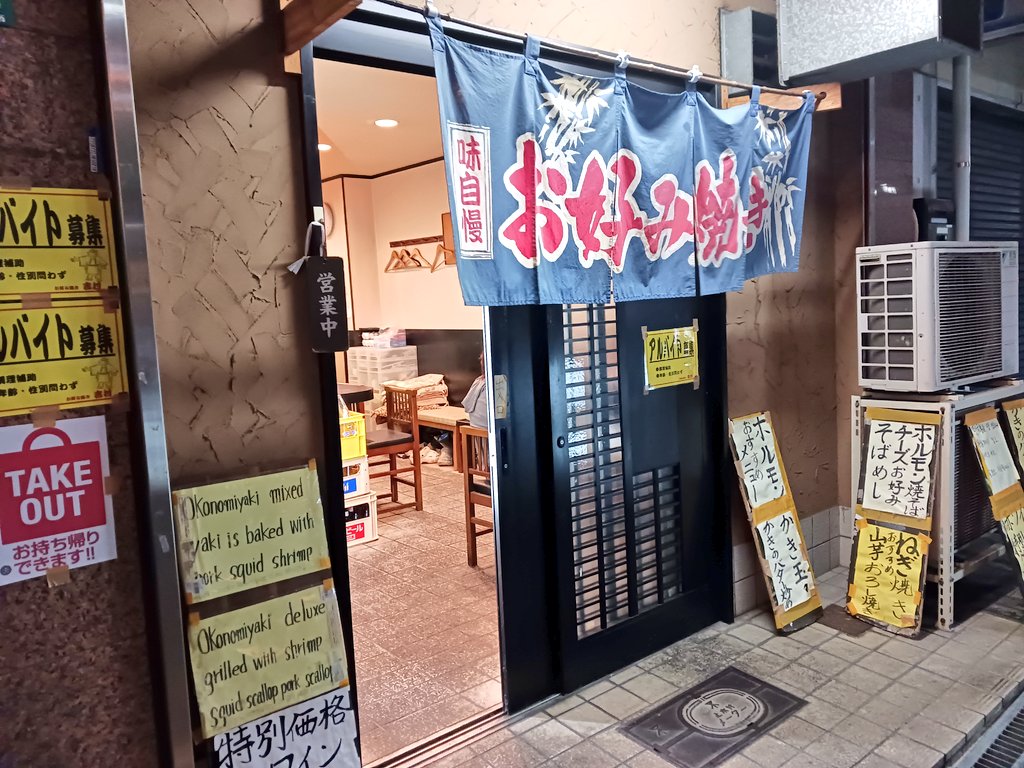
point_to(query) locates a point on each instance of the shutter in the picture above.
(997, 174)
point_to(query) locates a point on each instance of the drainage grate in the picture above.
(1002, 745)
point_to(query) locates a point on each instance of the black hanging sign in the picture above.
(325, 289)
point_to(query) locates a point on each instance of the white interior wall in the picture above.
(358, 221)
(398, 206)
(337, 243)
(406, 206)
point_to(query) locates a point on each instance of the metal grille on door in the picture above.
(598, 510)
(658, 531)
(626, 537)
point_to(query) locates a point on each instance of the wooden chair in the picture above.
(401, 433)
(476, 484)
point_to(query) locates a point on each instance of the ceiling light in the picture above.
(385, 122)
(323, 147)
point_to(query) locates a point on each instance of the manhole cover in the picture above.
(712, 721)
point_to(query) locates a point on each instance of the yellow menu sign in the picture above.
(257, 660)
(670, 357)
(246, 533)
(68, 354)
(55, 241)
(887, 571)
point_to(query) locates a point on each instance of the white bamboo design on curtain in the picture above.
(781, 234)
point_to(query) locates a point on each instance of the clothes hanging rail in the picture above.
(606, 56)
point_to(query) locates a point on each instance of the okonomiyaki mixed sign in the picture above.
(564, 188)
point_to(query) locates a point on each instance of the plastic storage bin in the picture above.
(372, 366)
(361, 519)
(356, 477)
(353, 436)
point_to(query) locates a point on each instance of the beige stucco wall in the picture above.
(223, 186)
(781, 332)
(677, 32)
(222, 179)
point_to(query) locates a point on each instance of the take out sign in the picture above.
(54, 509)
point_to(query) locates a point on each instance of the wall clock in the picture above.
(328, 219)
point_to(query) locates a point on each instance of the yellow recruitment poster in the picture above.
(55, 241)
(887, 570)
(670, 357)
(66, 355)
(246, 533)
(257, 660)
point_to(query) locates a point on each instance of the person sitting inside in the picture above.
(475, 401)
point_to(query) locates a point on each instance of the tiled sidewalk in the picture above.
(876, 700)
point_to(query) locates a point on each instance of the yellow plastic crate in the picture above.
(353, 436)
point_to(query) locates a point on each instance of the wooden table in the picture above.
(446, 418)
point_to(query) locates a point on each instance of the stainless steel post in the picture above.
(962, 145)
(151, 476)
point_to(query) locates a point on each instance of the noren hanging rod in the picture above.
(595, 53)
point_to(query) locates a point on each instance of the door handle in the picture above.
(503, 447)
(560, 442)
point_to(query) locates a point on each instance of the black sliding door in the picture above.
(641, 526)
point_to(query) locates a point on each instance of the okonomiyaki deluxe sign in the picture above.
(54, 507)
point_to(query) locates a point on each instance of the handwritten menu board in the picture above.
(319, 733)
(256, 660)
(993, 452)
(999, 468)
(894, 517)
(771, 512)
(1014, 410)
(758, 455)
(247, 533)
(787, 560)
(887, 568)
(898, 467)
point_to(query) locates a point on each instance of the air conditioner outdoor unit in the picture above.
(935, 316)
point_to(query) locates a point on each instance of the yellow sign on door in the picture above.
(55, 241)
(66, 355)
(670, 357)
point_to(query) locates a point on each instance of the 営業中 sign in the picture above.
(320, 732)
(66, 355)
(54, 508)
(256, 660)
(670, 357)
(55, 241)
(325, 278)
(246, 533)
